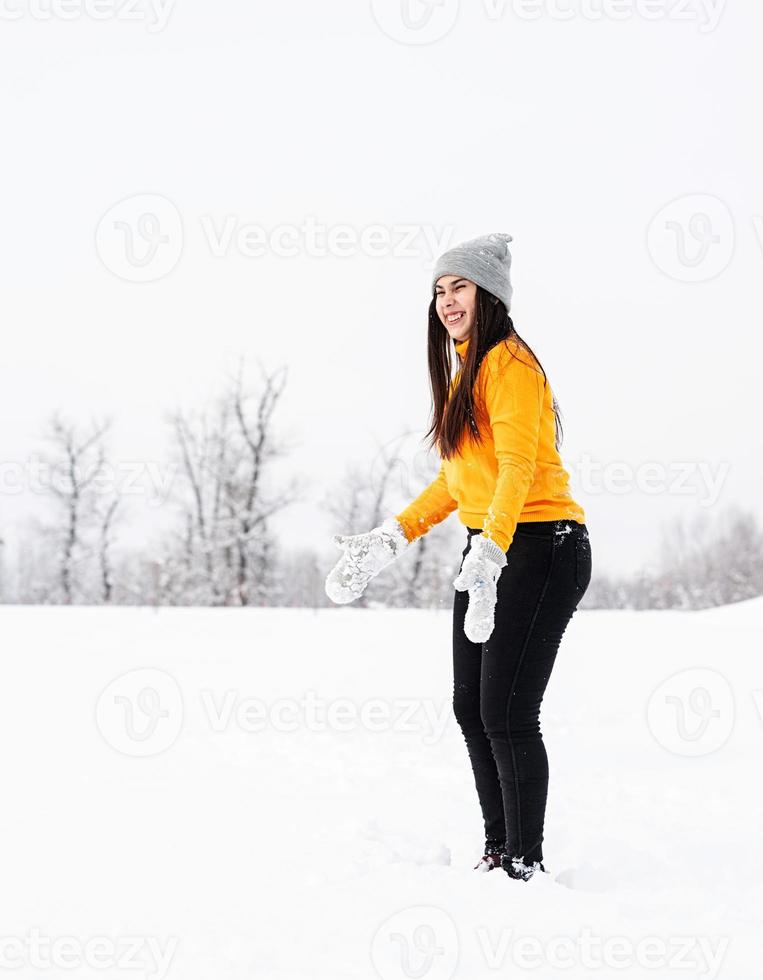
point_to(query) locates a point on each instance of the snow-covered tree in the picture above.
(223, 550)
(76, 465)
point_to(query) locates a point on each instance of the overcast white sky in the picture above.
(621, 152)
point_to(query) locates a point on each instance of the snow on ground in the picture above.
(285, 794)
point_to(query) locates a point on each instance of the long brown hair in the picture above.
(459, 414)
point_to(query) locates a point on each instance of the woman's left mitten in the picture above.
(479, 575)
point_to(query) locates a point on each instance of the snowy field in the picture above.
(214, 794)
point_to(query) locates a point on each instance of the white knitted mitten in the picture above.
(363, 557)
(479, 575)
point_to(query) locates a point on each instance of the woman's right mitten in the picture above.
(363, 557)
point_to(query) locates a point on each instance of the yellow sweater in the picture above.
(516, 474)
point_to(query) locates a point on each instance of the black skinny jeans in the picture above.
(498, 685)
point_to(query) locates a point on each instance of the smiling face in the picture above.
(456, 300)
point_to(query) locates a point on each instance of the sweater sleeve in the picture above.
(514, 403)
(432, 505)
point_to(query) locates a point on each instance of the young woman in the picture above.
(527, 560)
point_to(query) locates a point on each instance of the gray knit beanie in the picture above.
(485, 260)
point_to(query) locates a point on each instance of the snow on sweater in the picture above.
(516, 473)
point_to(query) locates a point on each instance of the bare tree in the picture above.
(197, 448)
(227, 498)
(104, 551)
(701, 563)
(248, 506)
(709, 562)
(78, 460)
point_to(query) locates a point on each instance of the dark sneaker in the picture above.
(488, 861)
(516, 868)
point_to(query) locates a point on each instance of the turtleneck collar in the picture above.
(461, 348)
